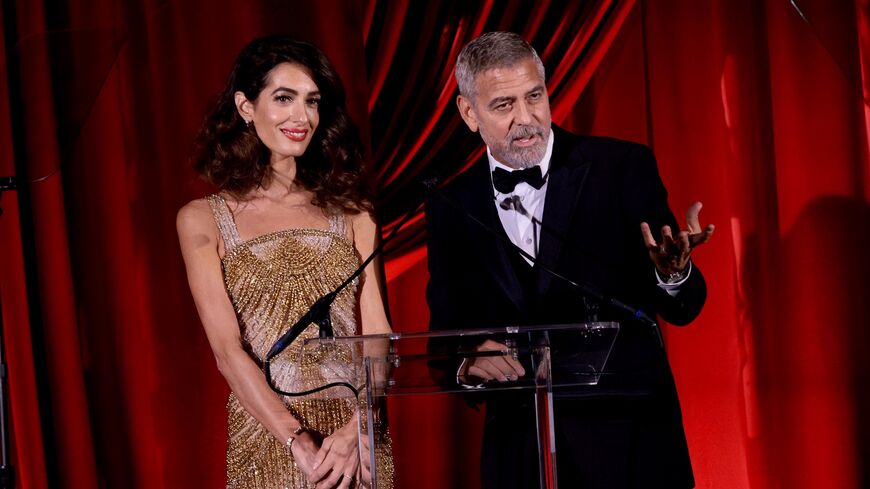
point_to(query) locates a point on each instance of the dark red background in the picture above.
(758, 108)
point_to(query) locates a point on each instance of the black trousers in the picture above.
(629, 443)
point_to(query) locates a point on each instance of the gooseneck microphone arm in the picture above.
(583, 287)
(318, 314)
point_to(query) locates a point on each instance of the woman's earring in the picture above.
(248, 123)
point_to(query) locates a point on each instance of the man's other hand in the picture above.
(671, 254)
(502, 368)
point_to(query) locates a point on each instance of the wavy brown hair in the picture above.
(230, 155)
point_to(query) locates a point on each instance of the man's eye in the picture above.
(502, 107)
(535, 96)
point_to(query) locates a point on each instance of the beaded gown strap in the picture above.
(338, 223)
(225, 222)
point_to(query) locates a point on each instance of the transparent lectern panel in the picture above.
(326, 370)
(419, 364)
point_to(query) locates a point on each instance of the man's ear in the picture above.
(467, 112)
(244, 106)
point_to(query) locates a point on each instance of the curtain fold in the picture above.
(757, 108)
(21, 397)
(754, 110)
(64, 396)
(414, 124)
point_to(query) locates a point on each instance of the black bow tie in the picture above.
(504, 181)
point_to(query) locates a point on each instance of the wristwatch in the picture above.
(675, 277)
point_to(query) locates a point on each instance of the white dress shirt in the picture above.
(521, 215)
(521, 212)
(522, 224)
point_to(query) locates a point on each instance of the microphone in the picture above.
(318, 313)
(585, 288)
(513, 202)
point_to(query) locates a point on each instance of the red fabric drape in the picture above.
(113, 93)
(25, 432)
(61, 356)
(753, 109)
(757, 108)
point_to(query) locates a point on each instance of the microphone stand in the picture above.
(318, 314)
(583, 287)
(7, 472)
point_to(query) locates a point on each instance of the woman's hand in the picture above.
(304, 450)
(337, 462)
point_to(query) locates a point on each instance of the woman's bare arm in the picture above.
(372, 312)
(200, 247)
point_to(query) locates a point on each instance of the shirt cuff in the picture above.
(462, 383)
(673, 288)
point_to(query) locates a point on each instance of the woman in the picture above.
(289, 224)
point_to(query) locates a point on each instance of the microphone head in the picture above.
(513, 202)
(430, 181)
(325, 328)
(507, 204)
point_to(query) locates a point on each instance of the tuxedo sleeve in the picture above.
(445, 299)
(443, 260)
(647, 201)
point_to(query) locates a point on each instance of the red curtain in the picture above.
(757, 108)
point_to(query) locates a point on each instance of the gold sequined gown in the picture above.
(272, 280)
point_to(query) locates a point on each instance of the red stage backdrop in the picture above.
(757, 108)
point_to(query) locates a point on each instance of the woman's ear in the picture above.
(245, 107)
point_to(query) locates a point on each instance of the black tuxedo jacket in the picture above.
(599, 192)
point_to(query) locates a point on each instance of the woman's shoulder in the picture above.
(361, 223)
(196, 214)
(360, 217)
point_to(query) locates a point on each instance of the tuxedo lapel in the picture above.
(494, 252)
(568, 170)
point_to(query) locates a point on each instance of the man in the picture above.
(586, 208)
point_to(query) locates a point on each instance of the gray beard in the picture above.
(526, 157)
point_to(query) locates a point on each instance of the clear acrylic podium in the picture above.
(414, 364)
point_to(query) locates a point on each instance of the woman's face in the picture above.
(285, 113)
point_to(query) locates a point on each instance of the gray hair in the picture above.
(489, 51)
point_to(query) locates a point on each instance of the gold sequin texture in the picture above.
(272, 280)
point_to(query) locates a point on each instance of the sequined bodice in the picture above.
(273, 279)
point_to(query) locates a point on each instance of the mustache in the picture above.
(526, 132)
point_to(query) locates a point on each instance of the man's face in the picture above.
(512, 112)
